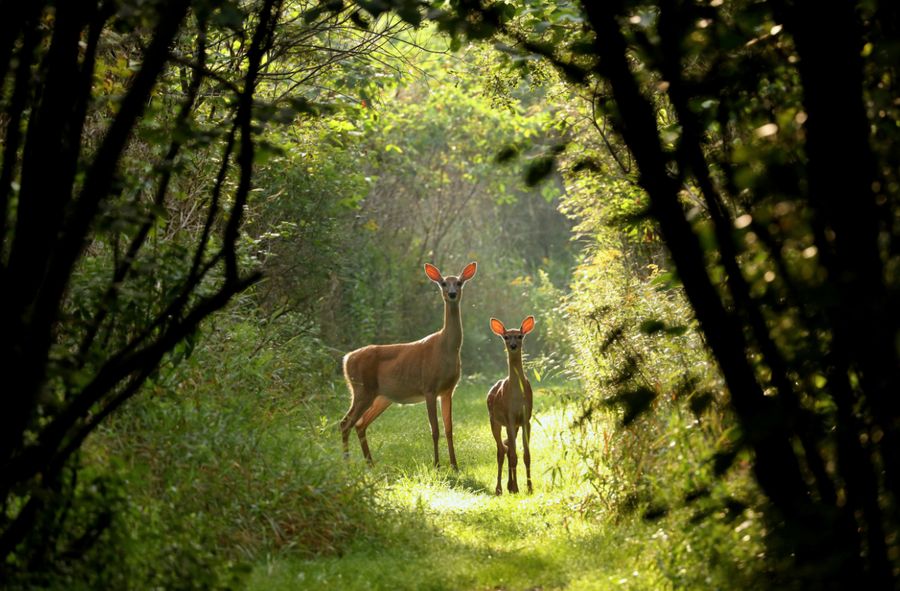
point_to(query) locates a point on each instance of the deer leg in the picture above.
(357, 408)
(526, 453)
(378, 405)
(431, 405)
(447, 413)
(501, 453)
(511, 431)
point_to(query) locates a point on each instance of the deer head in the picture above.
(513, 337)
(451, 287)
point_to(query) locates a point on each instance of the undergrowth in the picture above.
(227, 473)
(227, 457)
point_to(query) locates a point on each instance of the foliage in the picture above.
(203, 474)
(103, 206)
(362, 199)
(231, 463)
(654, 408)
(461, 206)
(703, 221)
(450, 525)
(738, 132)
(300, 223)
(151, 116)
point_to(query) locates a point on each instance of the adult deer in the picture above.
(509, 405)
(406, 373)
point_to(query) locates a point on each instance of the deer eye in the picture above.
(505, 337)
(443, 284)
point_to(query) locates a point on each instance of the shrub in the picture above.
(652, 419)
(224, 460)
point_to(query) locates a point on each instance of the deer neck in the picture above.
(451, 333)
(516, 371)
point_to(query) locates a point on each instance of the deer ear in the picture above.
(527, 325)
(468, 272)
(497, 327)
(433, 273)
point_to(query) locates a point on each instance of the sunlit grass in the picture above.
(447, 530)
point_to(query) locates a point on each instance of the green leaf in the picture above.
(655, 512)
(539, 169)
(635, 403)
(652, 326)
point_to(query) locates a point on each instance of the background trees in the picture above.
(739, 118)
(131, 132)
(79, 211)
(746, 146)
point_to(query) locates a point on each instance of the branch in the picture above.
(102, 171)
(723, 333)
(124, 267)
(262, 41)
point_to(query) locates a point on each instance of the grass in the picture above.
(446, 530)
(236, 474)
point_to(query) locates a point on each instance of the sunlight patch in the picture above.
(444, 501)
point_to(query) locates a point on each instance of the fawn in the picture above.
(406, 373)
(509, 405)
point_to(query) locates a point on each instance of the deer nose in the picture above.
(513, 346)
(451, 295)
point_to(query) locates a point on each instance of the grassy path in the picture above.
(448, 531)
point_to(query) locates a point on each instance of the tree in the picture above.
(779, 128)
(153, 118)
(74, 352)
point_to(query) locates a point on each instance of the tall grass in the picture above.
(228, 473)
(230, 456)
(443, 530)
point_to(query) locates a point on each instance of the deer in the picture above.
(509, 403)
(408, 373)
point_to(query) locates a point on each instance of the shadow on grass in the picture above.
(440, 529)
(468, 483)
(415, 554)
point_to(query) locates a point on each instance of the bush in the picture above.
(652, 420)
(224, 463)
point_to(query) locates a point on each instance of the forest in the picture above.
(674, 363)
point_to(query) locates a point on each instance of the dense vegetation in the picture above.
(206, 204)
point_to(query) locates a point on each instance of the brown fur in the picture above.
(407, 373)
(509, 403)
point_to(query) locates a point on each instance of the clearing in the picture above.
(452, 532)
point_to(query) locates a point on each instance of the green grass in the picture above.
(443, 530)
(236, 474)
